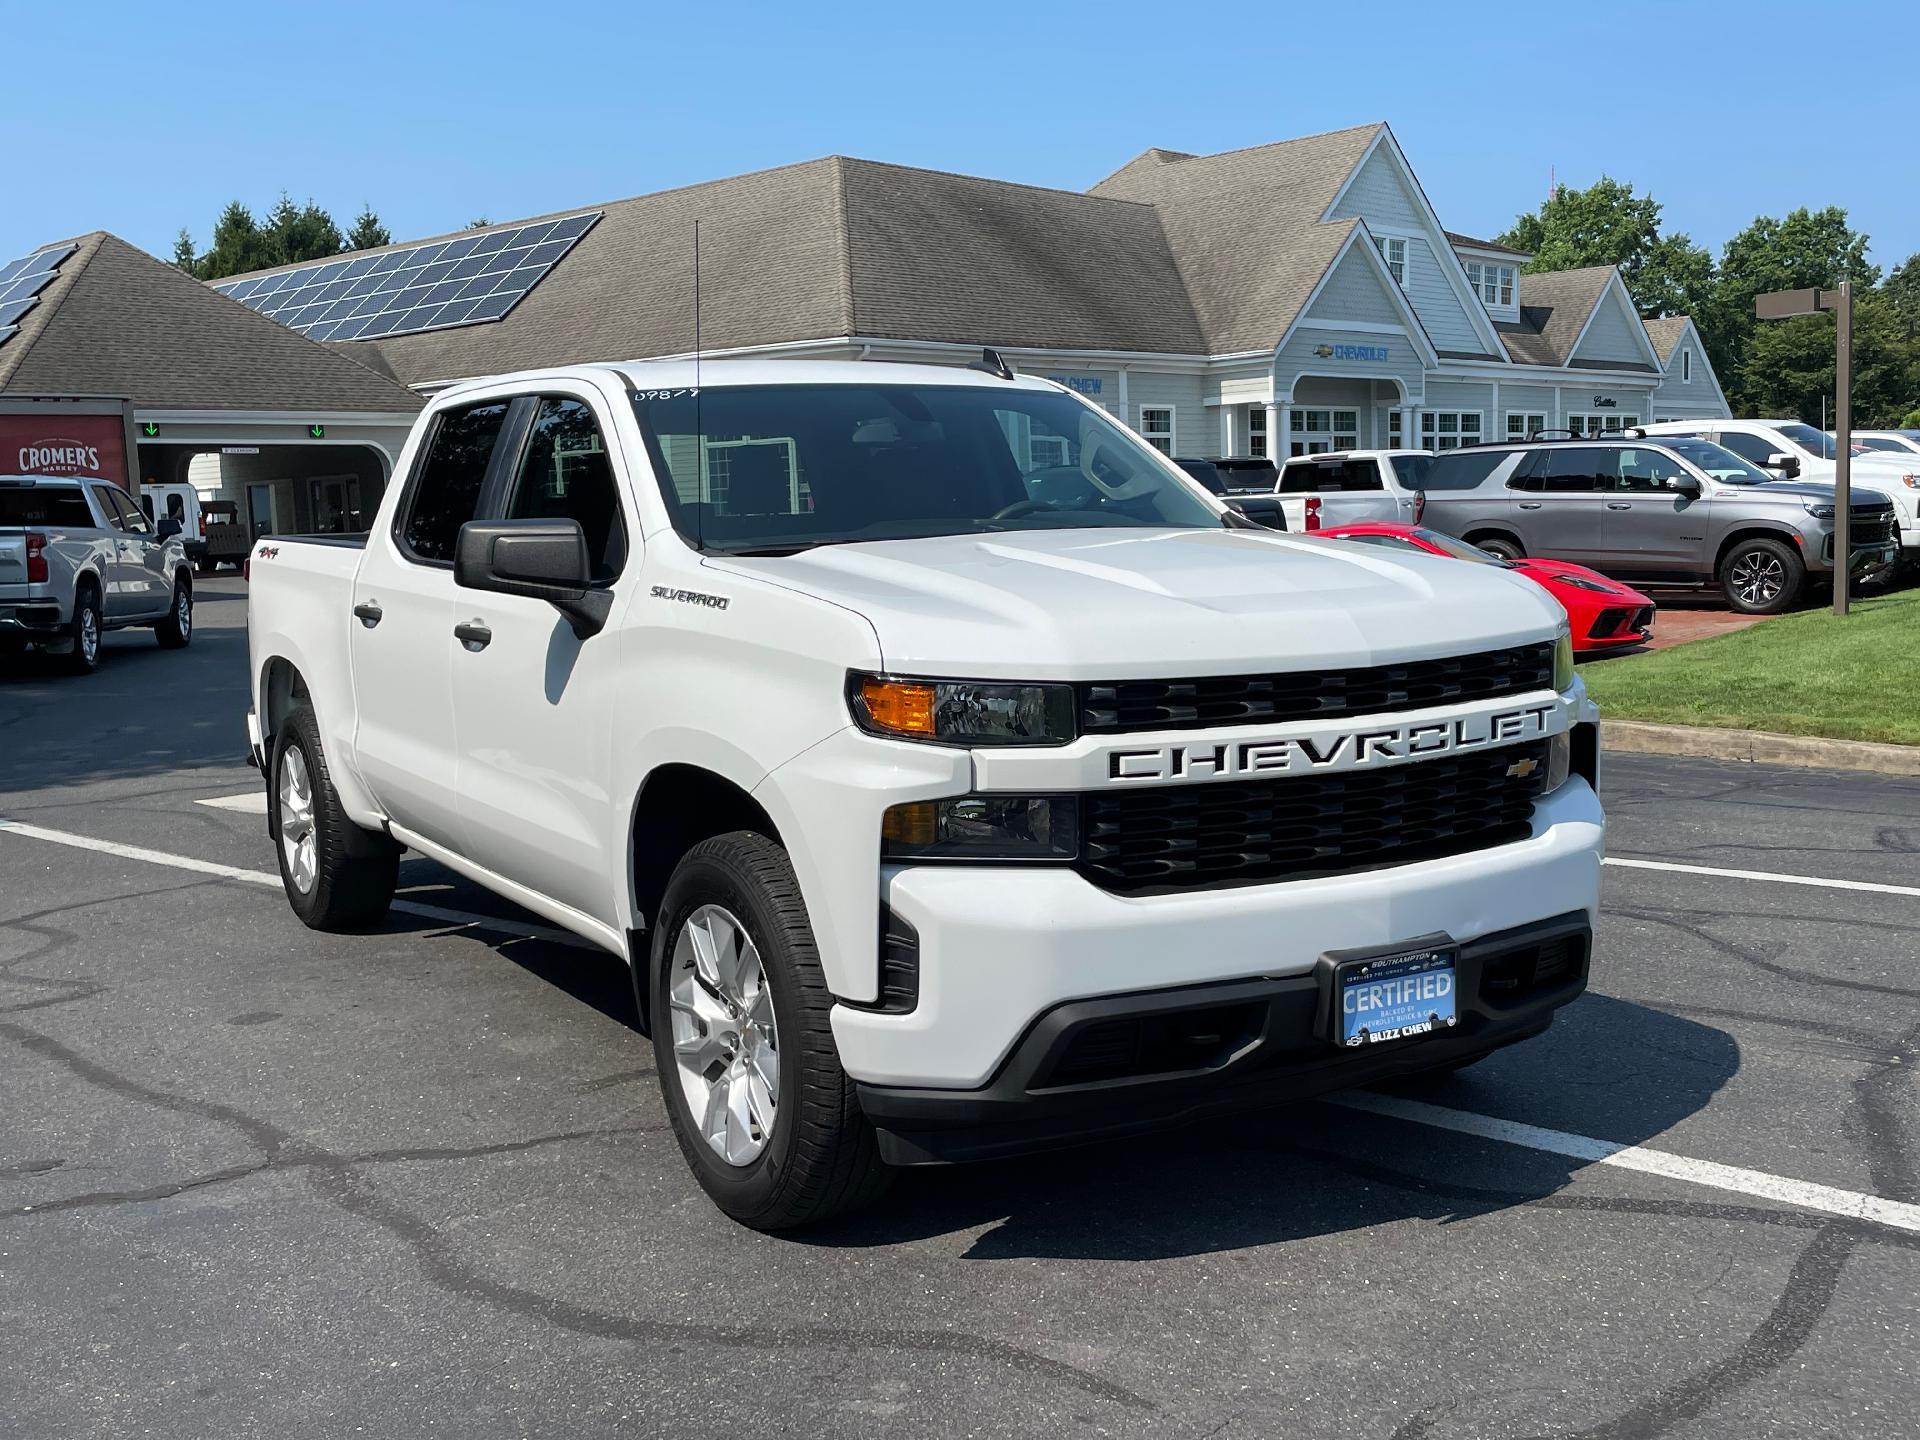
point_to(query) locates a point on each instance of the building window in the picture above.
(1605, 423)
(1315, 432)
(1156, 427)
(1686, 367)
(1449, 429)
(1492, 283)
(1257, 431)
(1394, 252)
(1524, 424)
(1394, 432)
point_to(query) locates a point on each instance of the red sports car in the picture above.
(1605, 613)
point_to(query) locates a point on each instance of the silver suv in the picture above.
(77, 558)
(1656, 511)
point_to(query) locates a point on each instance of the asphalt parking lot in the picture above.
(257, 1180)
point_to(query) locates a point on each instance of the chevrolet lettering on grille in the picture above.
(1347, 750)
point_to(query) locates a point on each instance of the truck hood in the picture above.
(1865, 496)
(1105, 604)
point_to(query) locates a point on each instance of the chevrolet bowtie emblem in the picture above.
(1325, 352)
(1520, 769)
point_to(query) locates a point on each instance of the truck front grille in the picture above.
(1186, 837)
(1873, 528)
(1109, 707)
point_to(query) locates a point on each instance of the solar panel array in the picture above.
(464, 281)
(21, 282)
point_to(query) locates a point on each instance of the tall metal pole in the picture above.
(1843, 447)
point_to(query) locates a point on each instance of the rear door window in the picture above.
(446, 491)
(1578, 470)
(565, 475)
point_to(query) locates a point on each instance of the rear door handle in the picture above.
(368, 613)
(1531, 504)
(1619, 504)
(473, 634)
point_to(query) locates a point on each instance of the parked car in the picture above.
(1605, 614)
(1790, 450)
(1900, 443)
(1261, 509)
(954, 778)
(1248, 474)
(77, 558)
(1663, 510)
(1342, 487)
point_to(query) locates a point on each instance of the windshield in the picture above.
(1722, 464)
(1814, 442)
(779, 468)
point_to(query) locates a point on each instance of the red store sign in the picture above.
(92, 446)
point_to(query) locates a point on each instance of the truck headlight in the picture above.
(983, 827)
(1563, 659)
(962, 712)
(1817, 511)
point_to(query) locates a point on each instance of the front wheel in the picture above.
(1762, 577)
(1500, 545)
(764, 1114)
(176, 631)
(337, 876)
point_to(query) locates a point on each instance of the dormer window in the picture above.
(1394, 252)
(1492, 283)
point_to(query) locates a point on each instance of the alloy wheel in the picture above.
(1758, 577)
(183, 613)
(725, 1043)
(89, 634)
(298, 841)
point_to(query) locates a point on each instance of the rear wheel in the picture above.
(206, 567)
(1504, 546)
(337, 876)
(83, 654)
(1762, 577)
(176, 631)
(751, 1079)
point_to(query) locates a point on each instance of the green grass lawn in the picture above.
(1803, 674)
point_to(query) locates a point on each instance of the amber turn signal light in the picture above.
(902, 706)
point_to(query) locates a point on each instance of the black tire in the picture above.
(206, 567)
(1761, 576)
(354, 870)
(83, 653)
(821, 1159)
(176, 631)
(1505, 546)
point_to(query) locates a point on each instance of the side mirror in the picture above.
(540, 559)
(1786, 464)
(1685, 485)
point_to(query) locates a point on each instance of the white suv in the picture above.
(1792, 450)
(1345, 487)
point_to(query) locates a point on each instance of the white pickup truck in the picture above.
(955, 775)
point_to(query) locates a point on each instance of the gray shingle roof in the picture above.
(1665, 333)
(117, 321)
(830, 248)
(1244, 227)
(1554, 308)
(1458, 239)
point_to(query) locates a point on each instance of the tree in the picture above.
(301, 232)
(1786, 366)
(1902, 288)
(238, 245)
(1607, 224)
(183, 252)
(478, 223)
(368, 233)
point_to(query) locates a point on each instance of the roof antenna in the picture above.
(991, 362)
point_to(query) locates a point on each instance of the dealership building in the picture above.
(1280, 300)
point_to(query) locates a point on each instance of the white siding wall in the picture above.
(1687, 401)
(1296, 358)
(1379, 196)
(1354, 292)
(1524, 399)
(1196, 429)
(1615, 334)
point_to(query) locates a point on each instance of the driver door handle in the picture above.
(1619, 504)
(473, 634)
(1531, 504)
(368, 613)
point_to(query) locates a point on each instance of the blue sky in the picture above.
(139, 119)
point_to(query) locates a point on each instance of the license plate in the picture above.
(1395, 996)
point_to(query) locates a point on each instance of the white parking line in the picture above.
(521, 928)
(1778, 878)
(247, 802)
(1801, 1194)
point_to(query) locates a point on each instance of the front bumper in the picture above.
(1000, 947)
(1121, 1064)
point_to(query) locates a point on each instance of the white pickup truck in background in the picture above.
(1350, 487)
(954, 774)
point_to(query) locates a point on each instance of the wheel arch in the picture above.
(678, 805)
(1759, 530)
(1499, 530)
